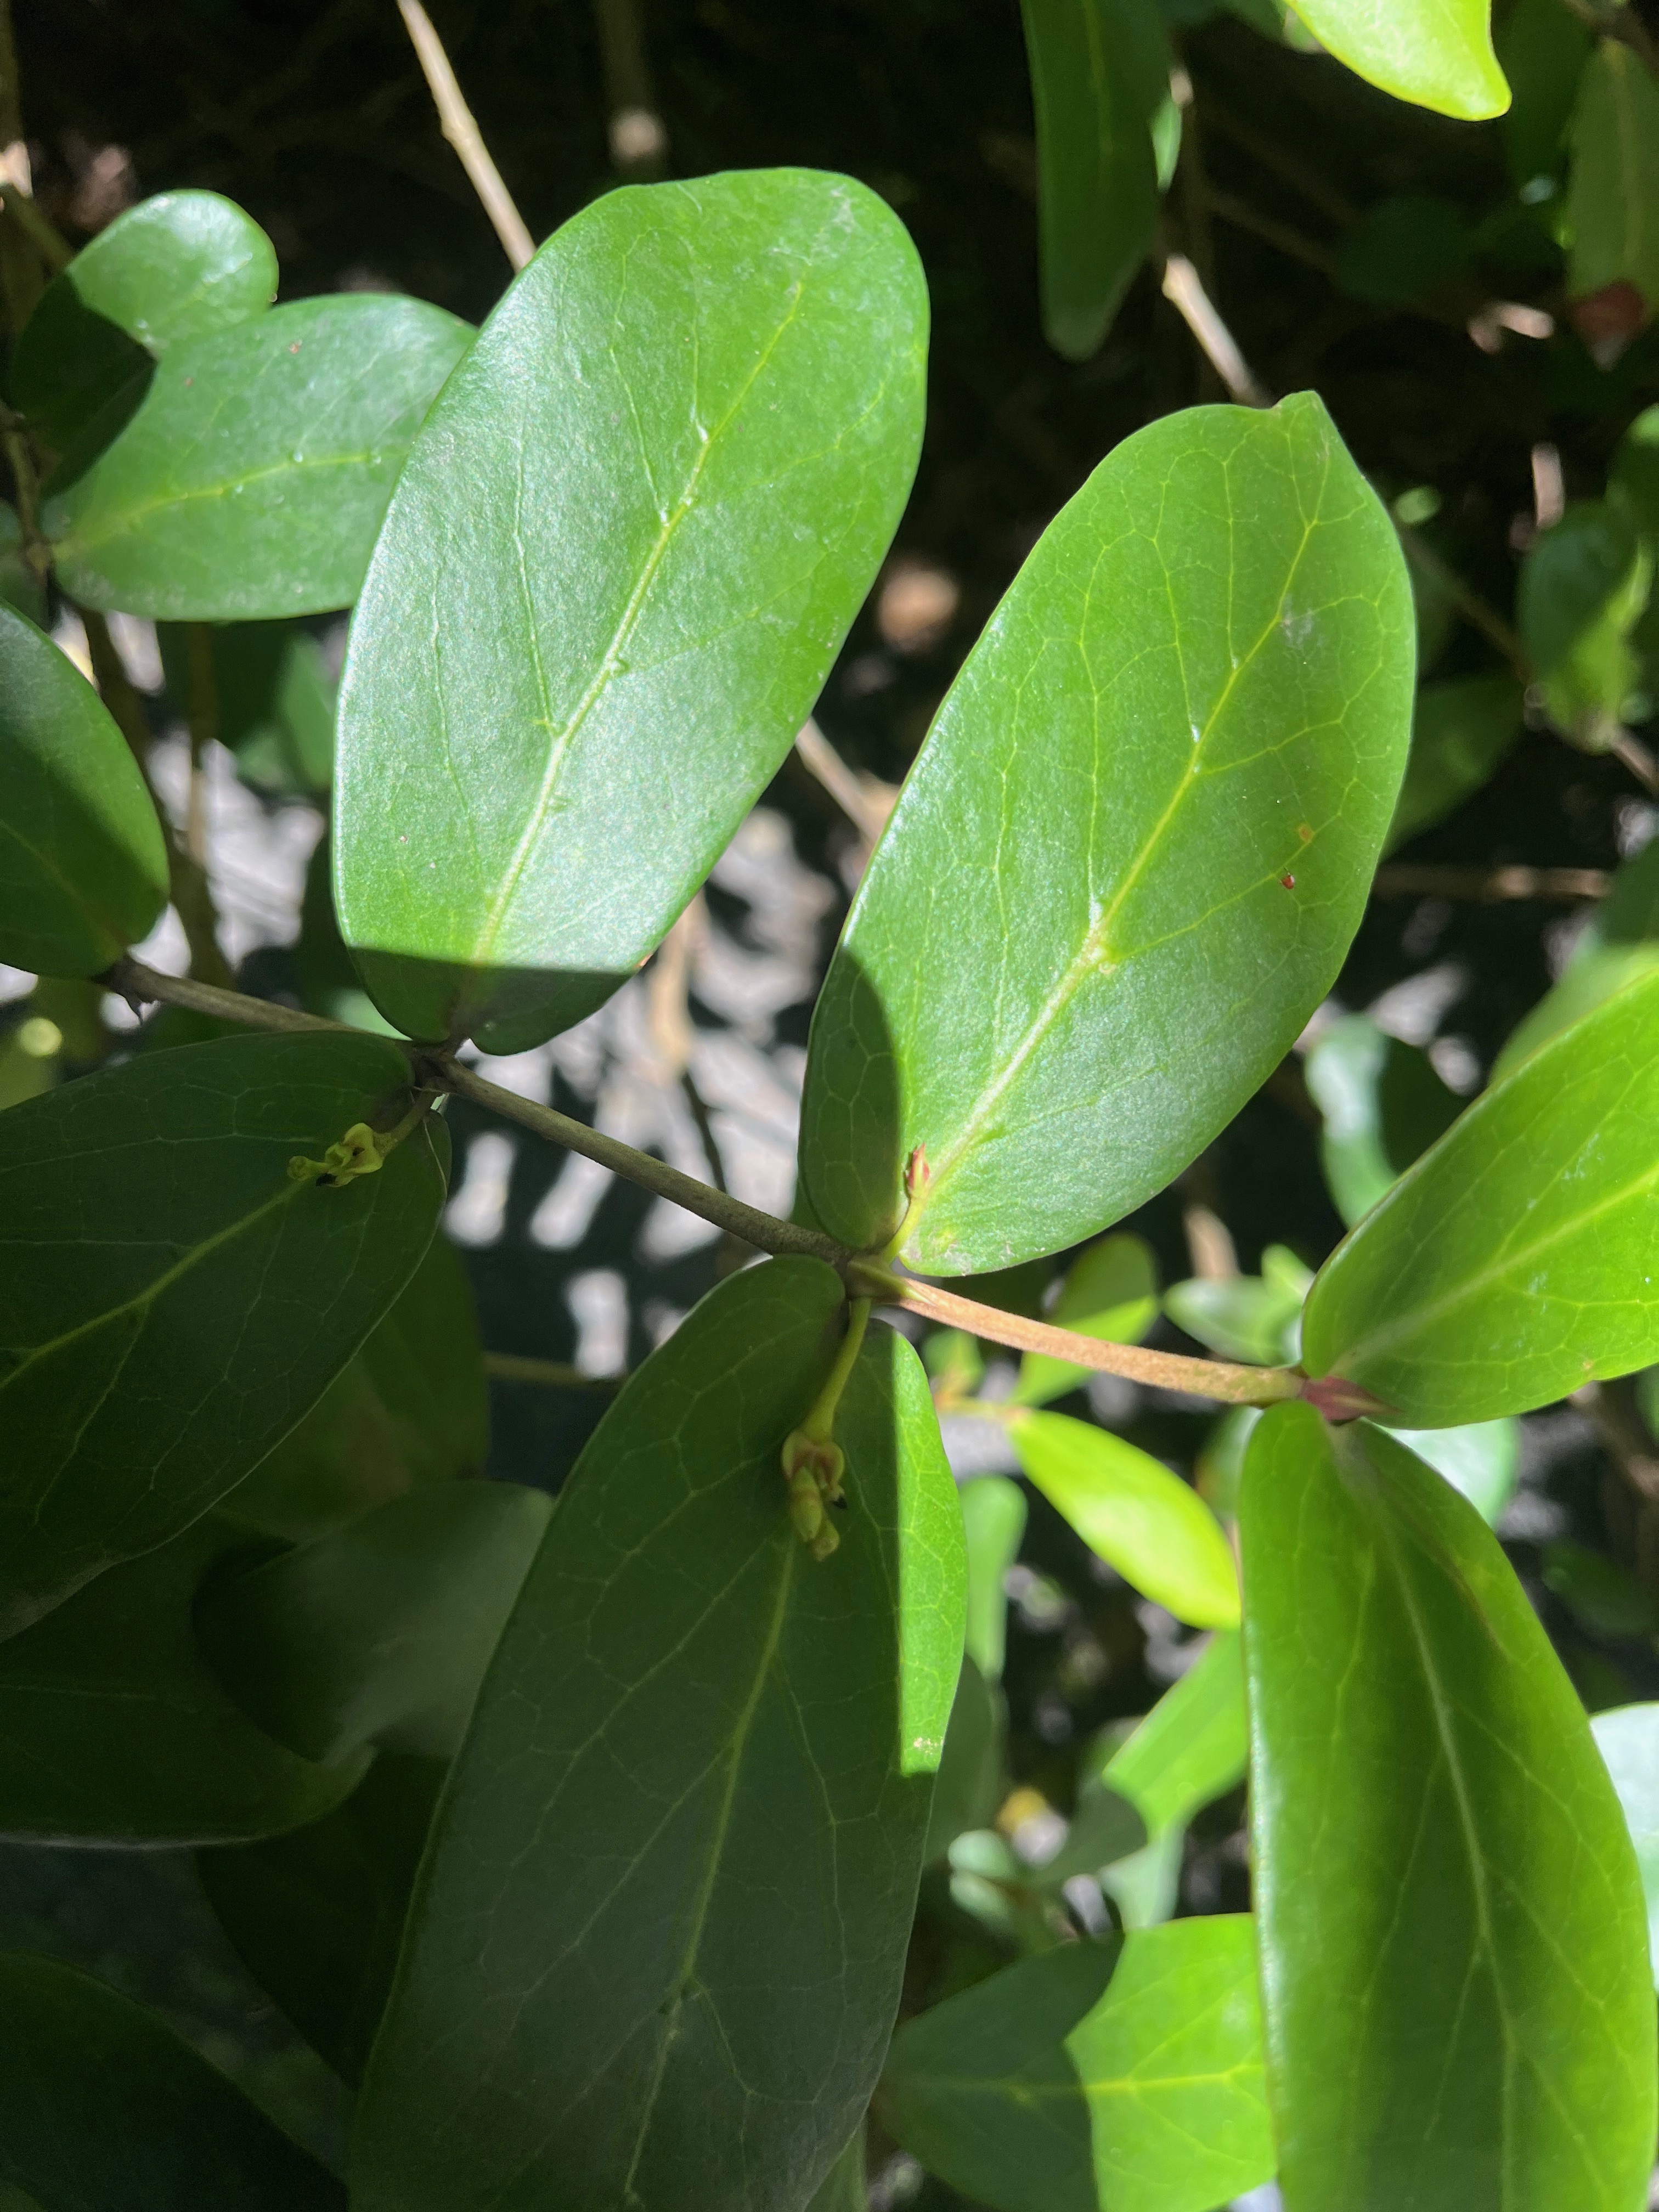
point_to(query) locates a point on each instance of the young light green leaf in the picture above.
(1382, 1103)
(179, 266)
(1460, 730)
(102, 2104)
(615, 574)
(1192, 1746)
(1135, 845)
(1448, 1899)
(1482, 1461)
(379, 1632)
(1251, 1317)
(1614, 193)
(85, 869)
(226, 1298)
(1149, 1524)
(316, 1915)
(1436, 53)
(1583, 588)
(1110, 1293)
(697, 1748)
(253, 479)
(1120, 2072)
(1516, 1260)
(1618, 945)
(994, 1521)
(113, 1729)
(1100, 82)
(1628, 1739)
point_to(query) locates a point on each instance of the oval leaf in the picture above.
(1436, 53)
(102, 2103)
(172, 1300)
(1628, 1739)
(85, 871)
(178, 266)
(616, 570)
(1514, 1260)
(1148, 1524)
(656, 1945)
(114, 1729)
(1614, 184)
(1449, 1903)
(1121, 2073)
(253, 479)
(1134, 847)
(1191, 1747)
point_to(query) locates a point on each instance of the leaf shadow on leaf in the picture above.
(80, 379)
(506, 1009)
(851, 1120)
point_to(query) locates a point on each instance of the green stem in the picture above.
(550, 1374)
(820, 1423)
(19, 459)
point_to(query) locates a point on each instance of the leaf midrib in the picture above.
(122, 521)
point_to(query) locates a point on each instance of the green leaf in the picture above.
(1253, 1317)
(1628, 1739)
(843, 2189)
(1401, 248)
(412, 1407)
(1613, 194)
(317, 1916)
(102, 2105)
(174, 1300)
(1384, 1105)
(114, 1729)
(1620, 944)
(253, 479)
(274, 700)
(1585, 585)
(1110, 1293)
(1436, 53)
(85, 869)
(19, 587)
(970, 1784)
(1191, 1747)
(1121, 2073)
(657, 1941)
(1149, 1524)
(1100, 84)
(1542, 48)
(1515, 1262)
(1482, 1460)
(994, 1521)
(180, 265)
(1198, 686)
(637, 525)
(1461, 729)
(379, 1632)
(1447, 1901)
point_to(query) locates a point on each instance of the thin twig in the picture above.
(551, 1374)
(204, 715)
(866, 809)
(1262, 147)
(131, 980)
(1187, 295)
(1469, 604)
(25, 478)
(1619, 22)
(44, 235)
(1637, 759)
(668, 988)
(1280, 236)
(1491, 886)
(462, 131)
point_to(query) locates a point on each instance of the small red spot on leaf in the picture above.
(1289, 882)
(294, 347)
(1305, 831)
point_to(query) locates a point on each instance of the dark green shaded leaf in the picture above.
(1460, 730)
(843, 2189)
(1129, 858)
(1613, 194)
(1191, 1747)
(273, 700)
(1583, 587)
(379, 1632)
(1542, 47)
(1514, 1260)
(1435, 54)
(1110, 1293)
(1382, 1104)
(615, 573)
(1123, 2072)
(1628, 1739)
(1251, 1317)
(1633, 479)
(1401, 248)
(1145, 1522)
(1601, 1597)
(253, 479)
(317, 1916)
(969, 1787)
(994, 1521)
(114, 1729)
(19, 587)
(657, 1939)
(85, 869)
(225, 1296)
(103, 2105)
(178, 266)
(1459, 2003)
(1100, 79)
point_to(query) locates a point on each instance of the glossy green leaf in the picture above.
(994, 1521)
(1100, 81)
(1461, 729)
(1613, 196)
(1149, 1524)
(1125, 2073)
(1458, 2005)
(1382, 1104)
(83, 870)
(1482, 1460)
(657, 1941)
(1516, 1260)
(1110, 1293)
(1628, 1739)
(1129, 860)
(1104, 1829)
(379, 1632)
(1618, 945)
(178, 266)
(412, 1407)
(1251, 1317)
(114, 1729)
(317, 1916)
(1542, 48)
(619, 565)
(253, 479)
(226, 1297)
(103, 2105)
(1583, 588)
(1436, 53)
(1191, 1747)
